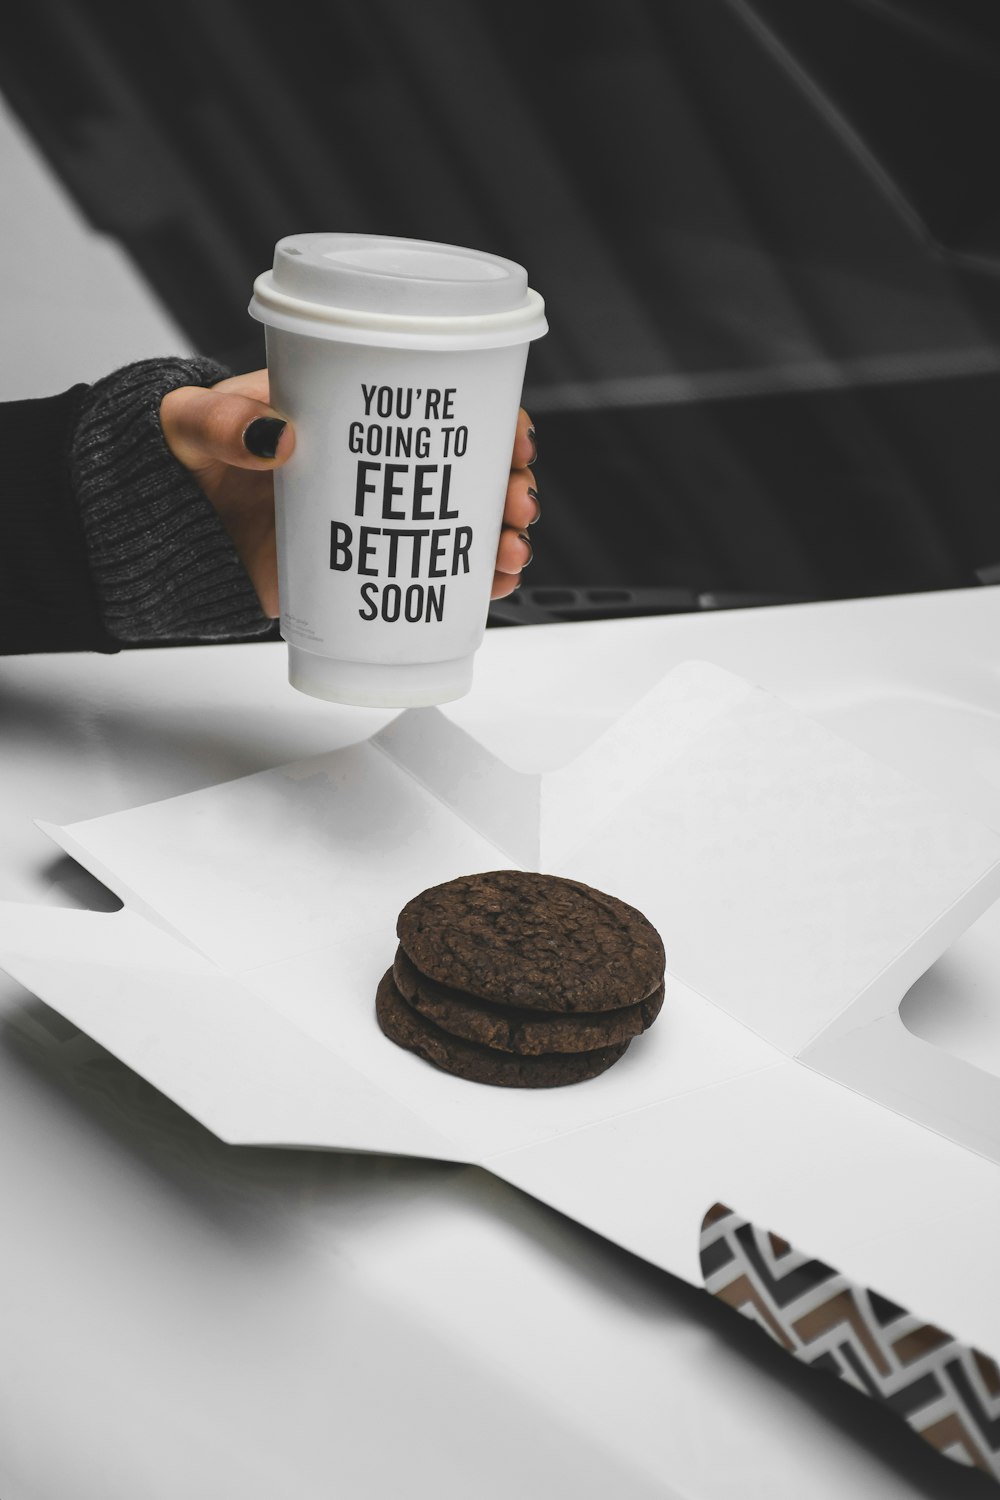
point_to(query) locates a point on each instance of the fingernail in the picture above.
(538, 506)
(534, 445)
(262, 436)
(527, 542)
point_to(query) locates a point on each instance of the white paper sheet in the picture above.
(799, 886)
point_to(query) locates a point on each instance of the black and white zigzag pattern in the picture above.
(948, 1392)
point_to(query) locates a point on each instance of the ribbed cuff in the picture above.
(163, 565)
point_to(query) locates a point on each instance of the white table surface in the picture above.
(184, 1319)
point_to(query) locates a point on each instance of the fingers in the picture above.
(224, 425)
(513, 553)
(522, 508)
(525, 449)
(256, 384)
(504, 584)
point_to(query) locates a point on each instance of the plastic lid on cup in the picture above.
(378, 289)
(414, 277)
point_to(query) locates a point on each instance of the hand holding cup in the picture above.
(232, 440)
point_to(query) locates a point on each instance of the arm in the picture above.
(164, 563)
(47, 597)
(106, 538)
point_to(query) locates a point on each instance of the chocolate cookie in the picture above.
(465, 1059)
(530, 1033)
(529, 940)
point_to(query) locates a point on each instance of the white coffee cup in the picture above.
(400, 363)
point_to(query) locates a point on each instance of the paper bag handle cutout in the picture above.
(947, 1392)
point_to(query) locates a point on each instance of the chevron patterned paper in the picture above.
(946, 1391)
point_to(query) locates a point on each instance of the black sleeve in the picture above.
(163, 564)
(47, 596)
(105, 539)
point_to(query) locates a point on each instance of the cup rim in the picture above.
(515, 325)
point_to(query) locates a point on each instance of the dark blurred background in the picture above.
(767, 233)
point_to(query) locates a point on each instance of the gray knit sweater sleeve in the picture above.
(163, 564)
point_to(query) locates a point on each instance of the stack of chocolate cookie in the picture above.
(521, 979)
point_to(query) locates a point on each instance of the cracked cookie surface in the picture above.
(535, 941)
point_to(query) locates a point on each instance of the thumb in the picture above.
(202, 426)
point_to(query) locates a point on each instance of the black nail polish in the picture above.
(527, 541)
(538, 506)
(534, 457)
(262, 435)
